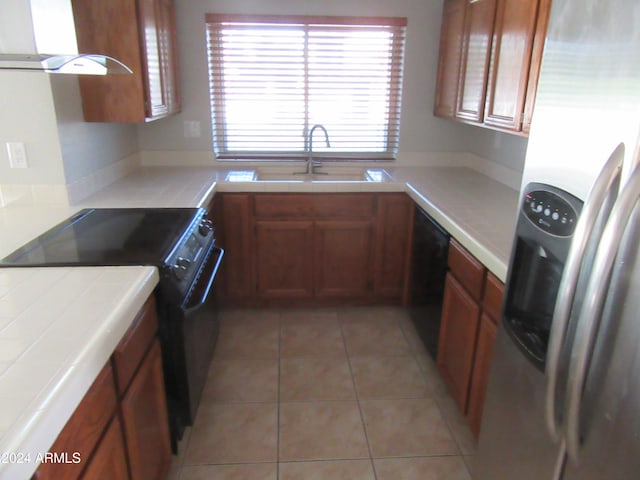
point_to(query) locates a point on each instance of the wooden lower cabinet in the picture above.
(146, 425)
(109, 460)
(120, 429)
(82, 432)
(314, 248)
(343, 258)
(235, 235)
(470, 315)
(392, 239)
(284, 250)
(456, 345)
(481, 368)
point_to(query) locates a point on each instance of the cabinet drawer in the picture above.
(283, 206)
(84, 428)
(492, 300)
(135, 343)
(344, 206)
(469, 271)
(315, 206)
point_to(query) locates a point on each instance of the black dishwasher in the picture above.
(428, 271)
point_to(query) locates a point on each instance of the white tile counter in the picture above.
(58, 327)
(478, 211)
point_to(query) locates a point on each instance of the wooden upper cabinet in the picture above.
(158, 42)
(544, 8)
(141, 34)
(512, 45)
(474, 66)
(489, 63)
(451, 35)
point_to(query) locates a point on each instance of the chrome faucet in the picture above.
(311, 164)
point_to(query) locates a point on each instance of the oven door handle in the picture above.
(207, 289)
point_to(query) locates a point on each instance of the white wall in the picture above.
(87, 147)
(45, 113)
(420, 130)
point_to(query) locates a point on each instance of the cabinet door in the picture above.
(478, 32)
(110, 28)
(343, 258)
(542, 23)
(82, 432)
(513, 36)
(458, 330)
(449, 59)
(237, 240)
(395, 213)
(284, 258)
(146, 425)
(108, 460)
(158, 45)
(481, 369)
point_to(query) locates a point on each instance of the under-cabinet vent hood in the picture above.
(75, 64)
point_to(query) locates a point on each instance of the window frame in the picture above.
(395, 25)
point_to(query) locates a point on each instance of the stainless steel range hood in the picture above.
(78, 64)
(47, 27)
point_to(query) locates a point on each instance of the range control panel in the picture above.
(550, 212)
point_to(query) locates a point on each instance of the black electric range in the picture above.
(180, 242)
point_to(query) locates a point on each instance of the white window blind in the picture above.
(272, 78)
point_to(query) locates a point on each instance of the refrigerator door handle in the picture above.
(590, 314)
(600, 200)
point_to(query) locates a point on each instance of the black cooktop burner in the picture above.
(112, 236)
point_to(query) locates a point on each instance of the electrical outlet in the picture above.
(17, 155)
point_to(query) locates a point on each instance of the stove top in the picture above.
(112, 236)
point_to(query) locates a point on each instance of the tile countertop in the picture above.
(478, 211)
(58, 327)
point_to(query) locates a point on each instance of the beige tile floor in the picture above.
(324, 394)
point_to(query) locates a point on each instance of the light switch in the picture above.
(17, 155)
(191, 129)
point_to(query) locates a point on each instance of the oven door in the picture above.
(189, 331)
(200, 328)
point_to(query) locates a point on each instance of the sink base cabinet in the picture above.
(283, 269)
(343, 254)
(314, 248)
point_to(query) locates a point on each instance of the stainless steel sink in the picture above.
(346, 175)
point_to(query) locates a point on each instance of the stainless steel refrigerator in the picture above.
(563, 400)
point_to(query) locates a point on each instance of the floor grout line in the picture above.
(355, 388)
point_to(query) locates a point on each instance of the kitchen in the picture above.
(168, 162)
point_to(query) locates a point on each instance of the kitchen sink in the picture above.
(346, 175)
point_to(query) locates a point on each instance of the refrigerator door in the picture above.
(588, 97)
(514, 443)
(607, 425)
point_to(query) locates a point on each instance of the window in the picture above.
(272, 78)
